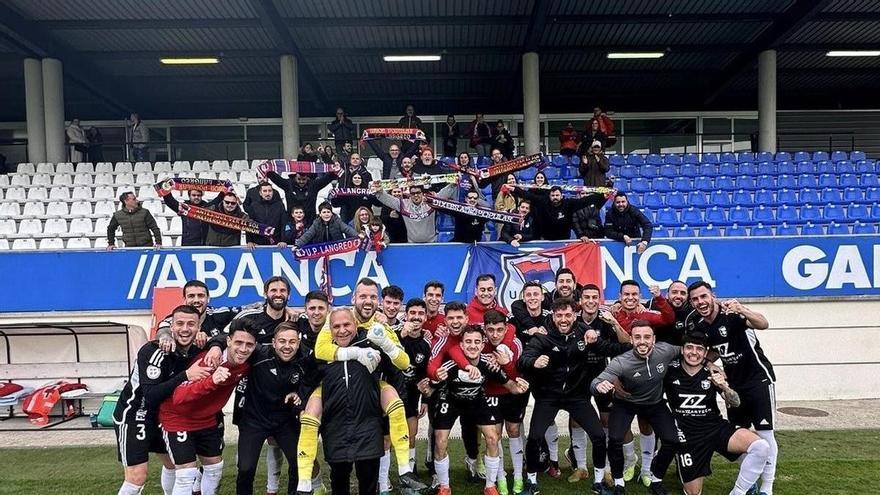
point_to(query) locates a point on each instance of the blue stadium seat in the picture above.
(684, 231)
(845, 167)
(763, 214)
(445, 222)
(811, 228)
(746, 182)
(853, 195)
(838, 229)
(560, 160)
(785, 180)
(819, 156)
(786, 197)
(720, 198)
(654, 159)
(764, 156)
(765, 182)
(858, 212)
(709, 231)
(745, 156)
(743, 197)
(857, 155)
(765, 197)
(736, 231)
(866, 166)
(692, 216)
(785, 168)
(634, 198)
(866, 180)
(708, 169)
(672, 159)
(669, 171)
(550, 173)
(863, 228)
(767, 168)
(807, 180)
(809, 196)
(482, 162)
(652, 200)
(727, 157)
(662, 184)
(831, 196)
(825, 167)
(640, 184)
(872, 194)
(827, 180)
(747, 168)
(697, 198)
(761, 230)
(691, 158)
(529, 174)
(709, 158)
(649, 171)
(727, 168)
(725, 183)
(629, 171)
(782, 156)
(703, 183)
(667, 216)
(740, 215)
(875, 211)
(809, 213)
(837, 156)
(787, 213)
(556, 182)
(573, 171)
(688, 170)
(676, 199)
(616, 160)
(621, 184)
(806, 168)
(802, 156)
(786, 229)
(564, 172)
(444, 236)
(682, 183)
(635, 159)
(716, 216)
(661, 232)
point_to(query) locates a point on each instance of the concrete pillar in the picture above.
(767, 101)
(53, 107)
(531, 103)
(36, 121)
(289, 108)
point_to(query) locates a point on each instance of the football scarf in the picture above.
(475, 211)
(165, 187)
(393, 133)
(294, 167)
(514, 165)
(324, 249)
(605, 191)
(421, 180)
(225, 220)
(348, 192)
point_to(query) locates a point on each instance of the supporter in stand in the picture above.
(449, 134)
(569, 140)
(540, 180)
(193, 231)
(327, 227)
(302, 191)
(409, 119)
(354, 165)
(405, 170)
(499, 180)
(418, 216)
(554, 212)
(392, 219)
(137, 224)
(269, 210)
(505, 201)
(469, 229)
(224, 236)
(343, 130)
(296, 225)
(426, 164)
(349, 204)
(593, 134)
(514, 234)
(606, 126)
(362, 218)
(587, 222)
(594, 166)
(79, 145)
(480, 135)
(392, 158)
(307, 153)
(502, 140)
(624, 222)
(139, 134)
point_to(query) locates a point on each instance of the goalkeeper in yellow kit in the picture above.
(366, 302)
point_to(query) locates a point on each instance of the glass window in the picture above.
(660, 136)
(744, 132)
(264, 142)
(716, 135)
(113, 149)
(207, 143)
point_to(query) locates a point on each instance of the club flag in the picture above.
(513, 268)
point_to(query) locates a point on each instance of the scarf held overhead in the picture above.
(165, 187)
(476, 211)
(294, 167)
(224, 220)
(514, 165)
(421, 180)
(605, 191)
(393, 133)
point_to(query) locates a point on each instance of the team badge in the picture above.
(705, 384)
(675, 364)
(153, 372)
(679, 325)
(420, 357)
(660, 367)
(294, 378)
(722, 330)
(581, 345)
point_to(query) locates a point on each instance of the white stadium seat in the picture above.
(201, 166)
(140, 167)
(26, 168)
(85, 168)
(55, 226)
(145, 192)
(20, 244)
(162, 167)
(240, 165)
(82, 179)
(53, 243)
(4, 180)
(181, 166)
(103, 192)
(45, 168)
(176, 225)
(190, 174)
(208, 175)
(34, 209)
(167, 240)
(104, 179)
(101, 226)
(105, 208)
(7, 227)
(124, 179)
(37, 193)
(57, 209)
(240, 190)
(220, 166)
(162, 223)
(64, 168)
(79, 243)
(123, 167)
(30, 226)
(4, 245)
(155, 206)
(81, 226)
(10, 209)
(101, 242)
(104, 168)
(248, 177)
(255, 164)
(145, 178)
(231, 176)
(60, 192)
(62, 180)
(16, 193)
(41, 180)
(82, 192)
(20, 180)
(81, 209)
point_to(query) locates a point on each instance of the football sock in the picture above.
(516, 456)
(384, 468)
(442, 467)
(184, 480)
(491, 469)
(129, 489)
(211, 475)
(274, 459)
(167, 480)
(307, 448)
(579, 446)
(752, 466)
(769, 474)
(399, 432)
(552, 438)
(647, 443)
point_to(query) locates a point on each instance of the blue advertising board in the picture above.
(123, 279)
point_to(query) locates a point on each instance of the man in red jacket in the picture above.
(484, 300)
(189, 417)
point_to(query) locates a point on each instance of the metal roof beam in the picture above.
(146, 24)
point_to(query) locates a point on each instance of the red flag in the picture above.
(582, 258)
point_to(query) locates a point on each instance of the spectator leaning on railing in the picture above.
(343, 130)
(193, 232)
(269, 210)
(568, 140)
(594, 166)
(225, 236)
(137, 223)
(480, 135)
(624, 222)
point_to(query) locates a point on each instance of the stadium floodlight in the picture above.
(635, 55)
(190, 61)
(853, 53)
(411, 58)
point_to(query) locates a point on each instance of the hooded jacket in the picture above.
(271, 213)
(420, 220)
(630, 222)
(321, 231)
(223, 236)
(193, 232)
(137, 225)
(555, 220)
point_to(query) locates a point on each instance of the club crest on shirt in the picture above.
(581, 345)
(722, 330)
(705, 384)
(675, 364)
(660, 367)
(153, 372)
(420, 357)
(294, 378)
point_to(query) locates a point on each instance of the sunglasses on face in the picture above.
(231, 203)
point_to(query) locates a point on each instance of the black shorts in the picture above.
(603, 402)
(480, 411)
(135, 441)
(513, 407)
(694, 458)
(412, 402)
(184, 446)
(757, 407)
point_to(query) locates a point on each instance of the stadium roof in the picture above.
(111, 51)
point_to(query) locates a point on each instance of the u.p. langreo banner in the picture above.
(124, 279)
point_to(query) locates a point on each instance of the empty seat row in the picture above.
(741, 157)
(127, 167)
(768, 215)
(24, 180)
(729, 183)
(734, 169)
(76, 226)
(761, 230)
(767, 197)
(55, 243)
